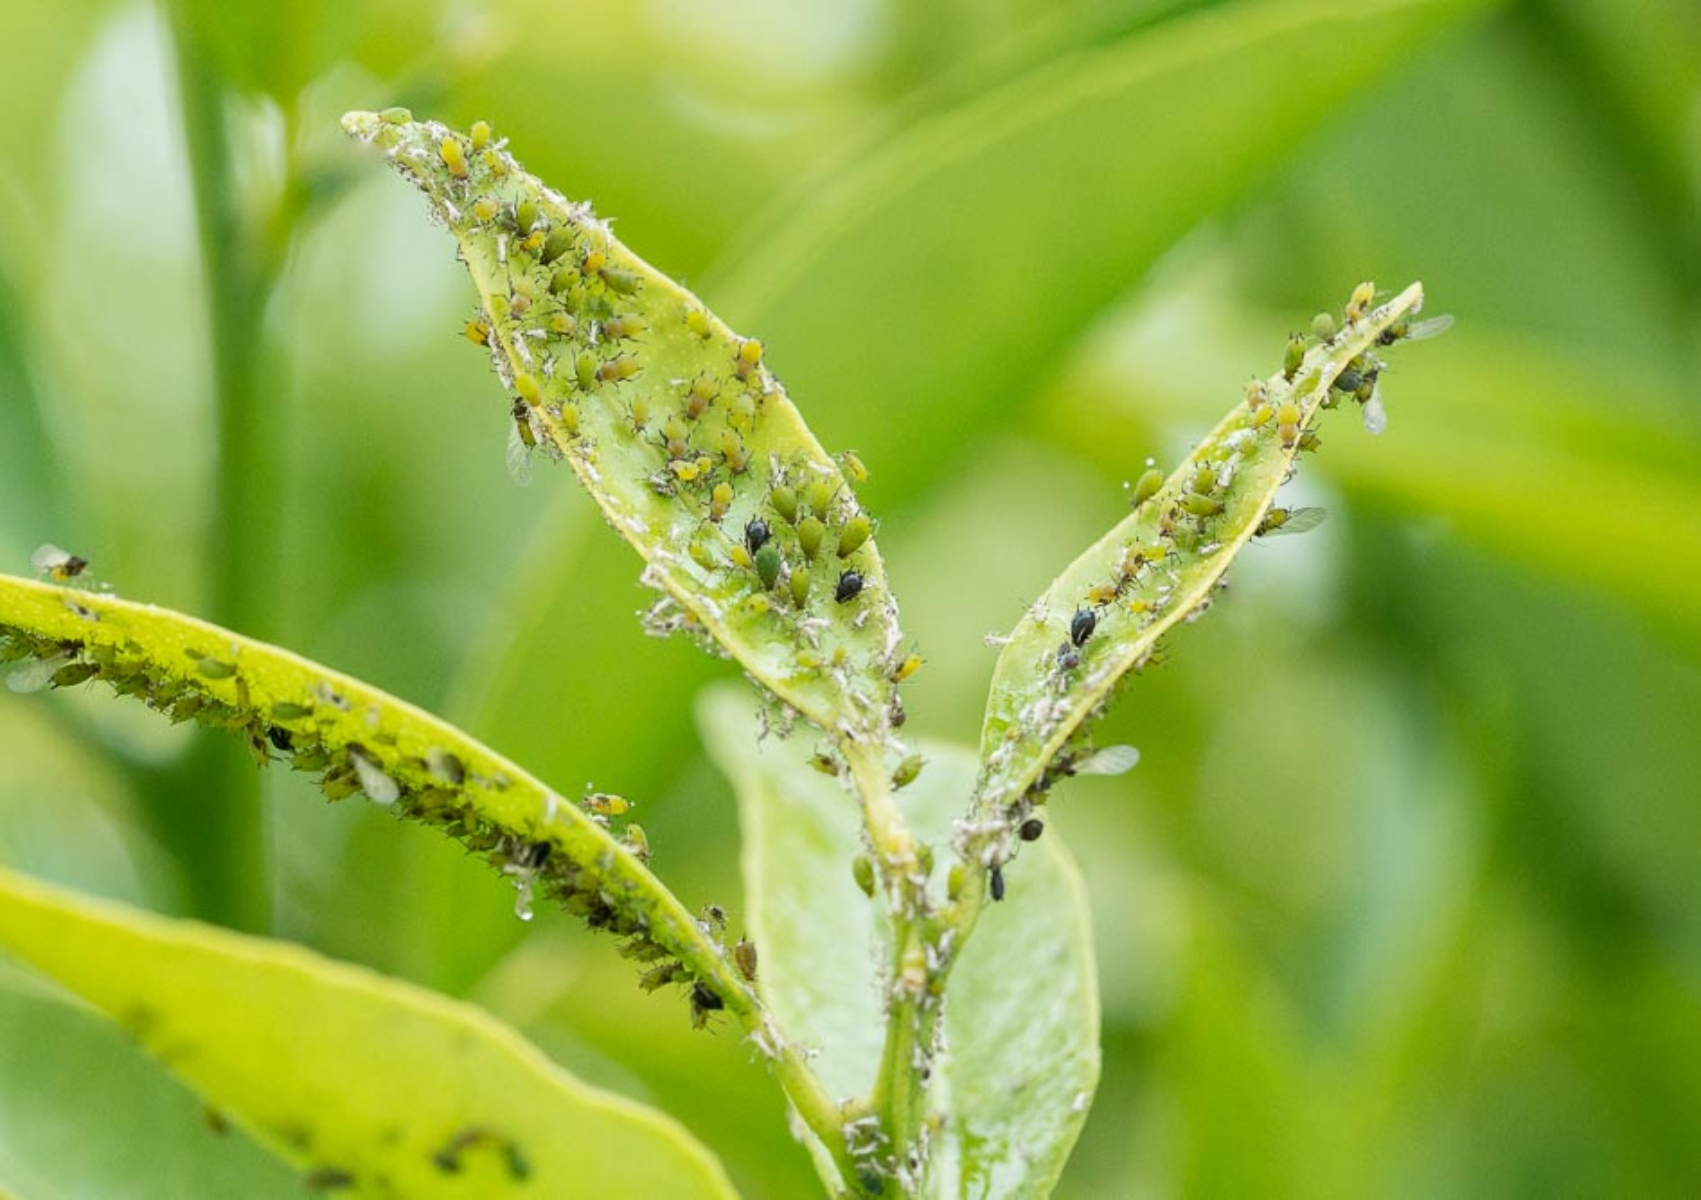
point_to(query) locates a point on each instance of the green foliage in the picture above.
(1402, 897)
(389, 1089)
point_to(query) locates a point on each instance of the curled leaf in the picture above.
(674, 424)
(1104, 615)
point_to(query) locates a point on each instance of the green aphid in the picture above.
(618, 279)
(862, 870)
(810, 532)
(799, 587)
(768, 565)
(853, 535)
(906, 772)
(1147, 486)
(525, 215)
(784, 500)
(820, 496)
(559, 242)
(1295, 356)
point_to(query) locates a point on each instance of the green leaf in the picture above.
(1158, 567)
(1022, 1021)
(361, 1081)
(359, 739)
(946, 270)
(676, 427)
(55, 1056)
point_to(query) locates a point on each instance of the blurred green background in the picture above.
(1405, 896)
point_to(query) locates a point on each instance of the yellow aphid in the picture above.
(1364, 295)
(908, 667)
(1262, 417)
(564, 323)
(1102, 593)
(534, 241)
(697, 321)
(480, 134)
(478, 333)
(685, 472)
(623, 327)
(485, 210)
(570, 419)
(720, 499)
(526, 387)
(733, 450)
(454, 157)
(595, 260)
(740, 556)
(853, 467)
(606, 804)
(749, 357)
(1256, 394)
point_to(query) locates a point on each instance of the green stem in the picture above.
(208, 814)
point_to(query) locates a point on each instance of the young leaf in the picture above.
(1021, 1029)
(1158, 567)
(674, 424)
(359, 739)
(362, 1082)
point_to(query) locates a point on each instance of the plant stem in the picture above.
(209, 813)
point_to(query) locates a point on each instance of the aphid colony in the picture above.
(438, 786)
(1165, 567)
(667, 415)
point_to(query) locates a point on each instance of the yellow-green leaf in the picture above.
(363, 1082)
(358, 739)
(1158, 567)
(675, 425)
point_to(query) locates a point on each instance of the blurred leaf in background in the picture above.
(1405, 896)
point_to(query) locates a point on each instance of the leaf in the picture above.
(1157, 568)
(361, 1081)
(1022, 1021)
(358, 739)
(946, 270)
(687, 442)
(59, 1060)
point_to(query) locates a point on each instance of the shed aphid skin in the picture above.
(744, 957)
(1110, 760)
(379, 787)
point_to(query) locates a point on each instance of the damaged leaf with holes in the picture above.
(749, 528)
(1159, 567)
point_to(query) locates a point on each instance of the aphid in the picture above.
(1294, 358)
(768, 565)
(854, 467)
(593, 262)
(905, 669)
(1310, 440)
(853, 535)
(699, 395)
(676, 437)
(714, 916)
(1323, 325)
(734, 452)
(1287, 423)
(527, 388)
(480, 134)
(444, 765)
(697, 321)
(619, 279)
(720, 500)
(820, 496)
(704, 1000)
(862, 870)
(1364, 295)
(996, 879)
(784, 500)
(1408, 330)
(617, 370)
(749, 357)
(740, 556)
(1103, 593)
(478, 333)
(282, 739)
(849, 587)
(756, 534)
(1347, 381)
(454, 156)
(1146, 486)
(660, 977)
(906, 771)
(525, 216)
(1201, 506)
(606, 804)
(637, 841)
(810, 531)
(563, 323)
(557, 244)
(1031, 829)
(638, 410)
(1290, 520)
(1082, 624)
(1257, 393)
(744, 957)
(327, 1179)
(799, 587)
(58, 565)
(396, 116)
(531, 856)
(1068, 657)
